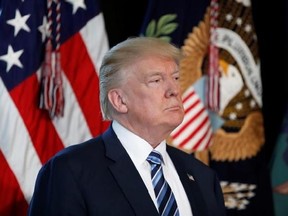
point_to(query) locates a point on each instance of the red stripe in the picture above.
(38, 123)
(80, 71)
(192, 106)
(196, 145)
(183, 127)
(211, 90)
(209, 141)
(194, 132)
(188, 96)
(213, 79)
(12, 201)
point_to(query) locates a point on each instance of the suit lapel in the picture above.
(190, 185)
(127, 176)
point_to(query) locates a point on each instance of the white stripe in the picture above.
(193, 112)
(192, 142)
(18, 149)
(95, 37)
(215, 91)
(188, 91)
(205, 141)
(192, 99)
(72, 128)
(191, 128)
(211, 90)
(188, 116)
(16, 145)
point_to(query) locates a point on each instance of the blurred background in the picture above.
(62, 43)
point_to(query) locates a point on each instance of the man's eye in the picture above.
(155, 80)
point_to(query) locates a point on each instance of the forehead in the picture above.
(150, 64)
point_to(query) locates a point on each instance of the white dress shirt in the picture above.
(138, 150)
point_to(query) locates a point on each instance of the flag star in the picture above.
(12, 58)
(246, 3)
(252, 103)
(246, 93)
(229, 17)
(44, 29)
(232, 116)
(239, 106)
(239, 21)
(77, 4)
(247, 28)
(19, 22)
(254, 37)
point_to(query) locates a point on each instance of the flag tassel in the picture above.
(52, 94)
(213, 83)
(58, 97)
(46, 79)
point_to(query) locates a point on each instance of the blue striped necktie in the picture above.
(166, 202)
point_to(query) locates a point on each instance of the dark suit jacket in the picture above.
(99, 178)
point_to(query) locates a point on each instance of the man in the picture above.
(111, 174)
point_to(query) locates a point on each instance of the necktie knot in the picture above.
(155, 158)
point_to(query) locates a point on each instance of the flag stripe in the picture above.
(192, 127)
(196, 133)
(37, 121)
(206, 141)
(96, 46)
(85, 85)
(96, 49)
(190, 93)
(189, 114)
(10, 191)
(29, 136)
(192, 106)
(182, 127)
(73, 119)
(21, 156)
(201, 144)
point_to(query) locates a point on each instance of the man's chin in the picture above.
(175, 123)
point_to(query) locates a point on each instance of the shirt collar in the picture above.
(137, 148)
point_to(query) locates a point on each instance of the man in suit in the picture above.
(111, 174)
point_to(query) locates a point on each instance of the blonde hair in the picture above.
(123, 55)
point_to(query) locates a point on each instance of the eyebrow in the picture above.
(154, 73)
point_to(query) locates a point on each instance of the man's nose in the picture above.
(173, 88)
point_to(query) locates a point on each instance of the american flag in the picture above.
(29, 135)
(195, 132)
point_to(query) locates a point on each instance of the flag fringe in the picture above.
(51, 95)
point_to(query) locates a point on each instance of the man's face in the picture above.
(153, 96)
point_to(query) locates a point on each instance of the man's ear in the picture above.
(117, 99)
